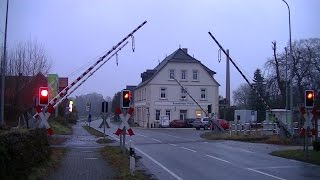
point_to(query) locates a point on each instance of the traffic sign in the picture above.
(124, 122)
(44, 118)
(104, 107)
(88, 107)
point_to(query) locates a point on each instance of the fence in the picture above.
(264, 128)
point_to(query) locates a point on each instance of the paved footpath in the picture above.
(82, 160)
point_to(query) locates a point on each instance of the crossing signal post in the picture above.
(125, 99)
(43, 96)
(309, 99)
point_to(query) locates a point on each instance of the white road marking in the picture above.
(205, 142)
(90, 158)
(276, 177)
(156, 140)
(86, 151)
(218, 159)
(246, 151)
(278, 167)
(140, 135)
(159, 164)
(188, 149)
(173, 144)
(241, 149)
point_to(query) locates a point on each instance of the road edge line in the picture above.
(159, 164)
(266, 174)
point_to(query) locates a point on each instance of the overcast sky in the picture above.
(76, 32)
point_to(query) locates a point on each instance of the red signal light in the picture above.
(43, 96)
(44, 92)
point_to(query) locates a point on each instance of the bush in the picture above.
(316, 145)
(21, 150)
(72, 118)
(61, 120)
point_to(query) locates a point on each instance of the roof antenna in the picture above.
(159, 61)
(179, 46)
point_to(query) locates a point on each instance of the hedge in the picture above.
(21, 150)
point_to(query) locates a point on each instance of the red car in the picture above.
(177, 123)
(223, 123)
(207, 124)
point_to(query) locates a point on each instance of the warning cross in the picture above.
(44, 118)
(124, 121)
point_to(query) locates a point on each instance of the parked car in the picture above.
(197, 123)
(206, 123)
(177, 123)
(223, 123)
(189, 122)
(202, 123)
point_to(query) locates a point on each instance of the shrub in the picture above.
(61, 120)
(316, 145)
(72, 118)
(21, 150)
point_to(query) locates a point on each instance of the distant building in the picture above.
(159, 94)
(21, 92)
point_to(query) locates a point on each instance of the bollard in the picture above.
(132, 158)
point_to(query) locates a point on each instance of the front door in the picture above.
(183, 114)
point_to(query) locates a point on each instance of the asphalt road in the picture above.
(182, 154)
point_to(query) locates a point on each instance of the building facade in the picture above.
(159, 93)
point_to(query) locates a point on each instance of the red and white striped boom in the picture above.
(90, 74)
(63, 93)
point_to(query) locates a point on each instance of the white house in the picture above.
(160, 94)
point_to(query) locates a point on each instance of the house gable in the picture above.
(177, 57)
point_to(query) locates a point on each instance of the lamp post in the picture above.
(291, 66)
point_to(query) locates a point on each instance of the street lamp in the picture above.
(291, 66)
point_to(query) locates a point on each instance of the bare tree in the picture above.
(28, 59)
(305, 65)
(241, 96)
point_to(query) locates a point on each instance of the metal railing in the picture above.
(264, 128)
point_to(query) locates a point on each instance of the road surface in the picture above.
(183, 154)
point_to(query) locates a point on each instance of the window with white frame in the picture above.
(183, 93)
(163, 93)
(183, 74)
(203, 94)
(171, 74)
(157, 114)
(195, 75)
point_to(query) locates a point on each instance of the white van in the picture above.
(164, 121)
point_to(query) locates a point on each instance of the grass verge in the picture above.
(93, 131)
(314, 156)
(98, 134)
(104, 141)
(253, 137)
(59, 128)
(120, 164)
(44, 169)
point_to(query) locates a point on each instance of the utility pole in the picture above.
(228, 80)
(3, 69)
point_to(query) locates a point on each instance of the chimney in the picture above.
(185, 50)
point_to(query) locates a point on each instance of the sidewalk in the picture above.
(82, 160)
